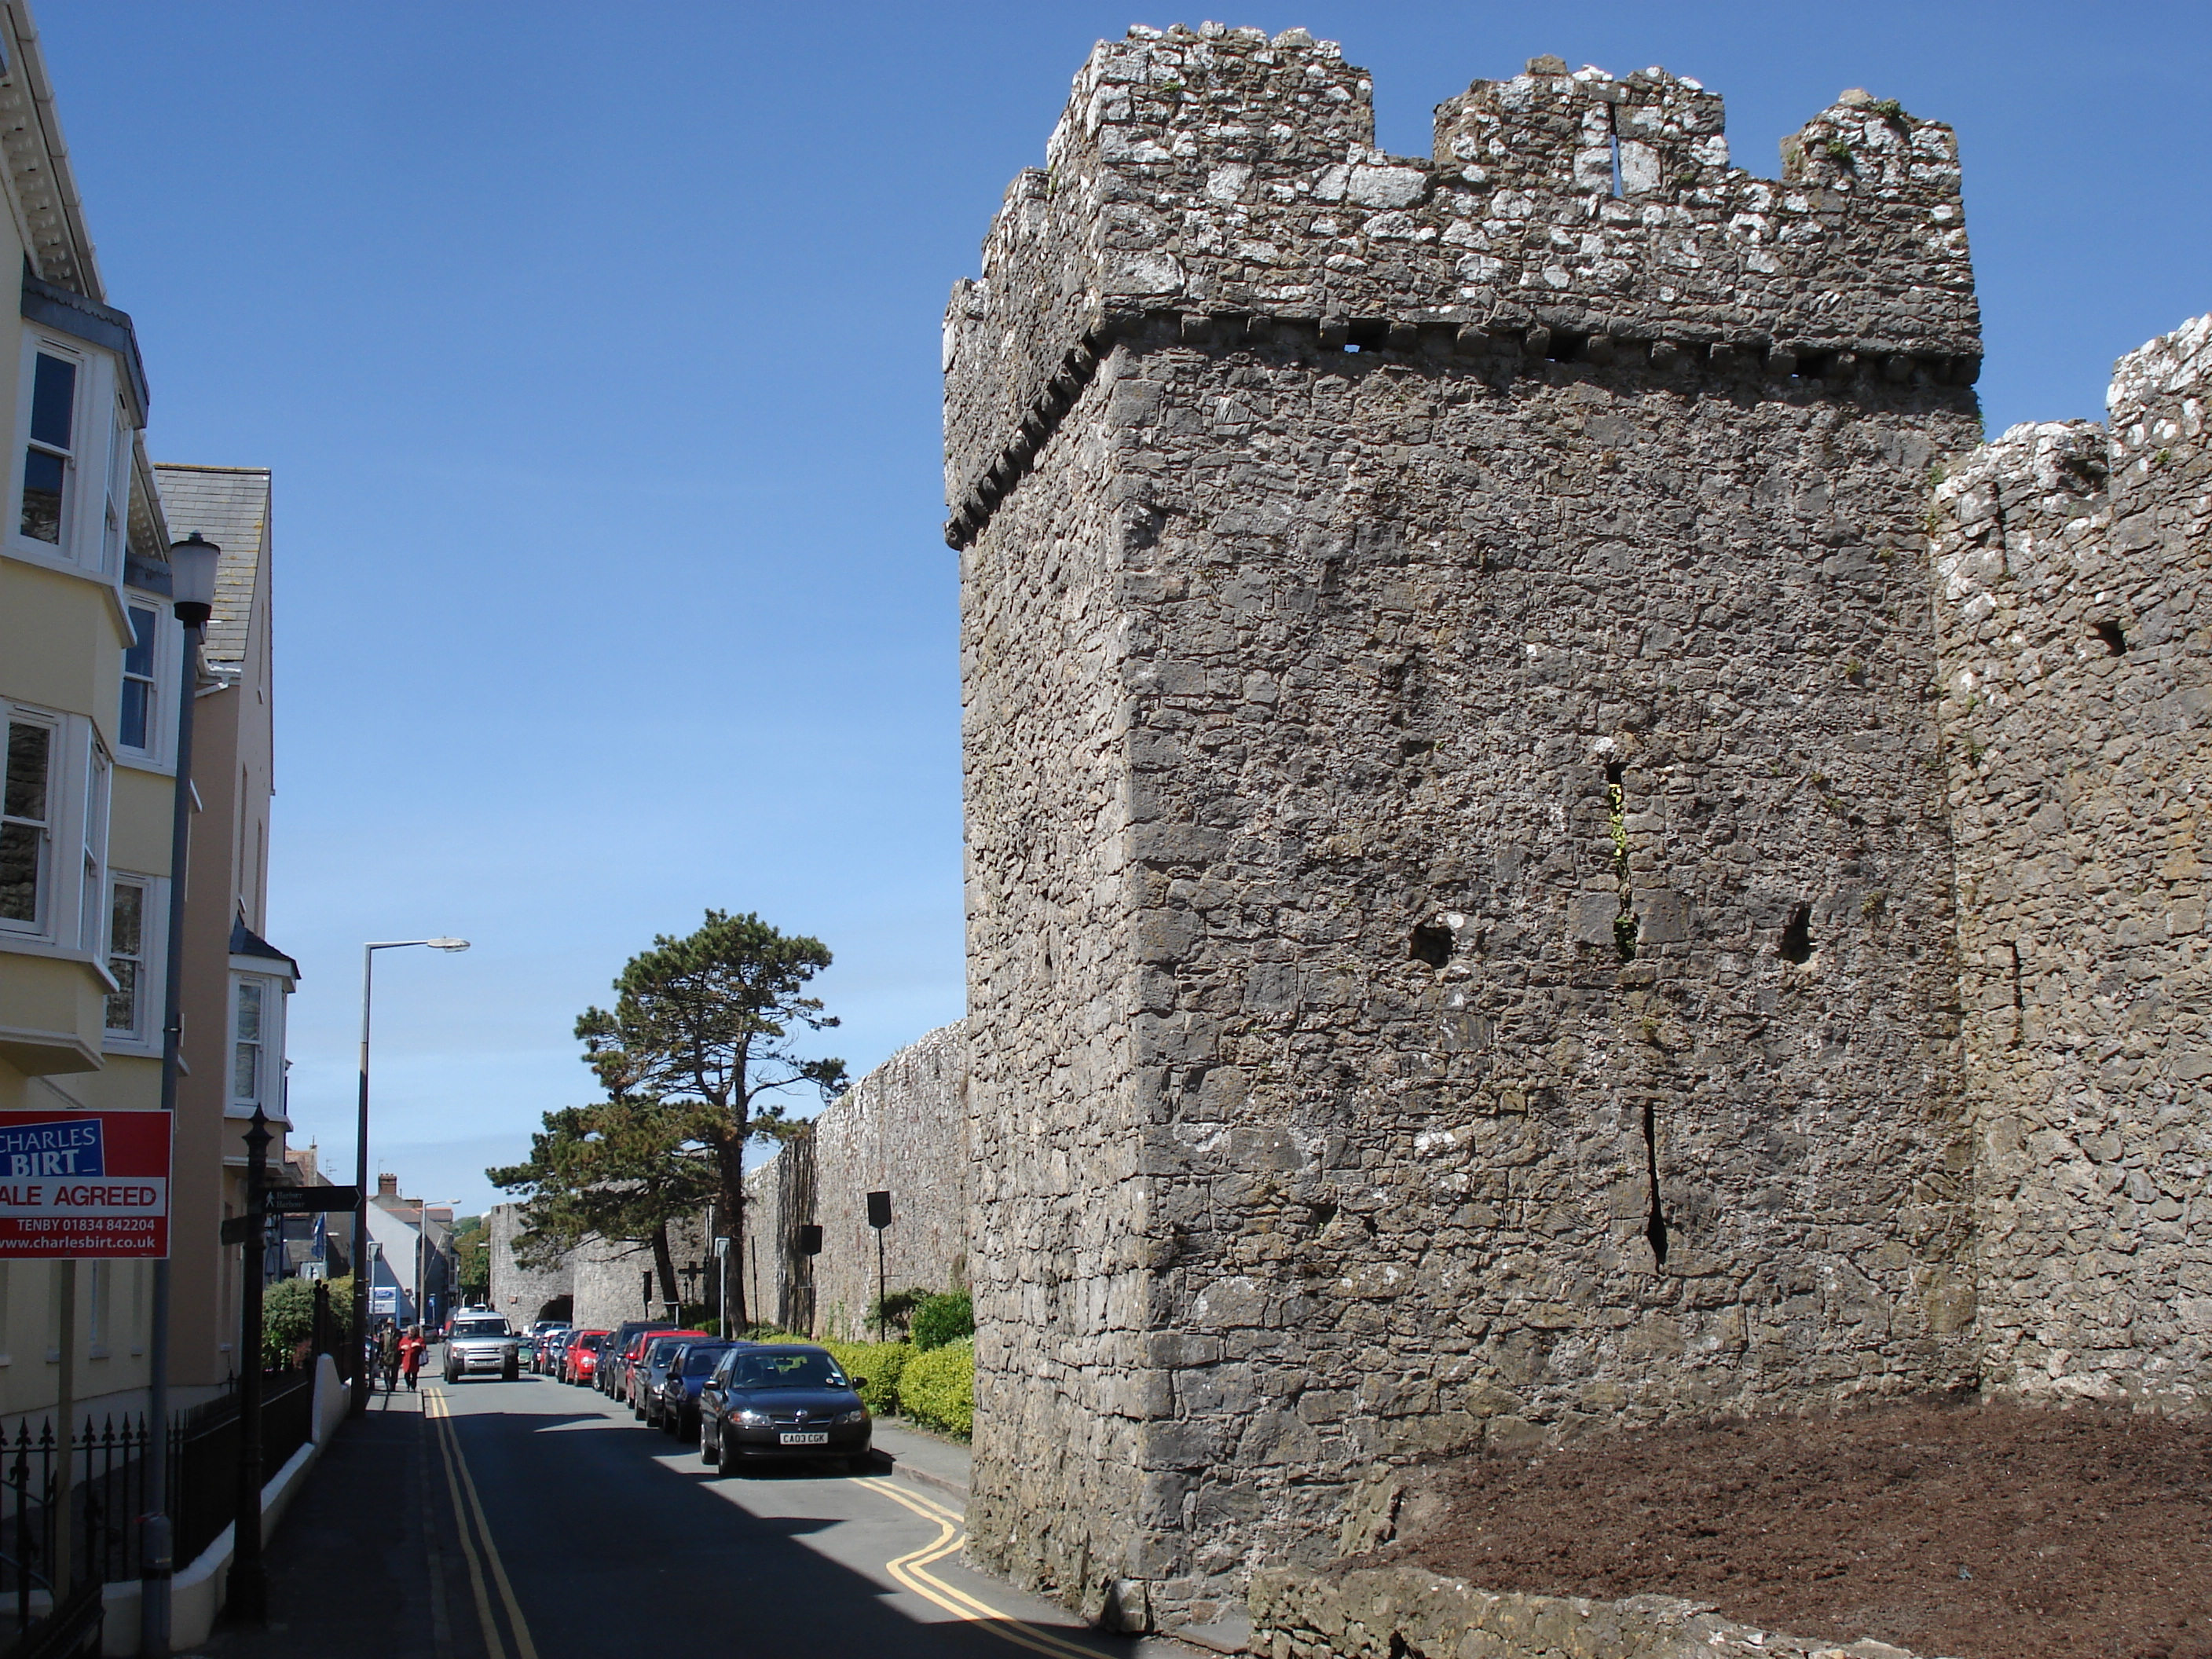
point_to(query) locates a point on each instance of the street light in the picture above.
(421, 1251)
(193, 564)
(360, 1405)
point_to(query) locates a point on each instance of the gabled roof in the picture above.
(229, 506)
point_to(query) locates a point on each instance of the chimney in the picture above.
(387, 1186)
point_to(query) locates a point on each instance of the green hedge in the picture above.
(939, 1388)
(939, 1320)
(884, 1365)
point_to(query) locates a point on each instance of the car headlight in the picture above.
(752, 1419)
(860, 1415)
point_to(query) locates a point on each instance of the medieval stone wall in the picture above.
(1459, 877)
(521, 1293)
(901, 1129)
(2076, 678)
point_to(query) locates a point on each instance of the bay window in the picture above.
(53, 831)
(73, 472)
(257, 1043)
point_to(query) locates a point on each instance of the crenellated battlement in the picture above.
(1226, 184)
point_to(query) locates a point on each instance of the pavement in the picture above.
(532, 1520)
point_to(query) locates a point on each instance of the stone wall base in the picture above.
(1405, 1613)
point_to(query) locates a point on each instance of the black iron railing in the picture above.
(107, 1483)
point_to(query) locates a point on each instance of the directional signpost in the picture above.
(294, 1201)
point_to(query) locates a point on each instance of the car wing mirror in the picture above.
(857, 1381)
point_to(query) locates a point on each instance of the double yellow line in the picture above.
(912, 1572)
(459, 1481)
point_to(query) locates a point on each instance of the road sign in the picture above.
(90, 1184)
(307, 1200)
(384, 1299)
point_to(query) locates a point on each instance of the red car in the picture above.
(580, 1360)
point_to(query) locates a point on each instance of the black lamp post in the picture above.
(248, 1597)
(193, 563)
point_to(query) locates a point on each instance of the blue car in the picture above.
(675, 1406)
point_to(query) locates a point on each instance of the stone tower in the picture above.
(1460, 884)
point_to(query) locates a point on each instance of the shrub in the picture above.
(891, 1311)
(884, 1365)
(939, 1320)
(939, 1388)
(287, 1319)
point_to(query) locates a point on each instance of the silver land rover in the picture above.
(483, 1345)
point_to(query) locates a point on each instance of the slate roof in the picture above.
(244, 942)
(229, 506)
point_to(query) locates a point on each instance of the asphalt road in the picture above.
(581, 1532)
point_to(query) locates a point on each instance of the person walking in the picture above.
(387, 1354)
(411, 1356)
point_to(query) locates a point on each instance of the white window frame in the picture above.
(268, 1091)
(97, 452)
(72, 901)
(144, 1035)
(159, 752)
(39, 924)
(92, 841)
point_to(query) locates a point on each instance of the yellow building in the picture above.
(90, 663)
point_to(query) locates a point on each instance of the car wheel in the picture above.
(726, 1460)
(708, 1453)
(511, 1373)
(672, 1425)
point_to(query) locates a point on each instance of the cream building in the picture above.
(90, 661)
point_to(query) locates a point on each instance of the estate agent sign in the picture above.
(88, 1184)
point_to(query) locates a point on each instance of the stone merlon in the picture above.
(1225, 177)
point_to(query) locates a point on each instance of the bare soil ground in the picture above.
(1987, 1532)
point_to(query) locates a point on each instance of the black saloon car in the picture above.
(767, 1401)
(674, 1406)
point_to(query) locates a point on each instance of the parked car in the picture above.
(650, 1366)
(580, 1360)
(623, 1346)
(650, 1369)
(765, 1401)
(483, 1343)
(546, 1361)
(675, 1403)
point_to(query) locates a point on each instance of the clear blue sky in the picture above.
(595, 350)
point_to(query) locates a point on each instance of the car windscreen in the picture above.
(786, 1370)
(481, 1328)
(697, 1362)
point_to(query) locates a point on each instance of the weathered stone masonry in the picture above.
(1464, 925)
(2076, 682)
(901, 1129)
